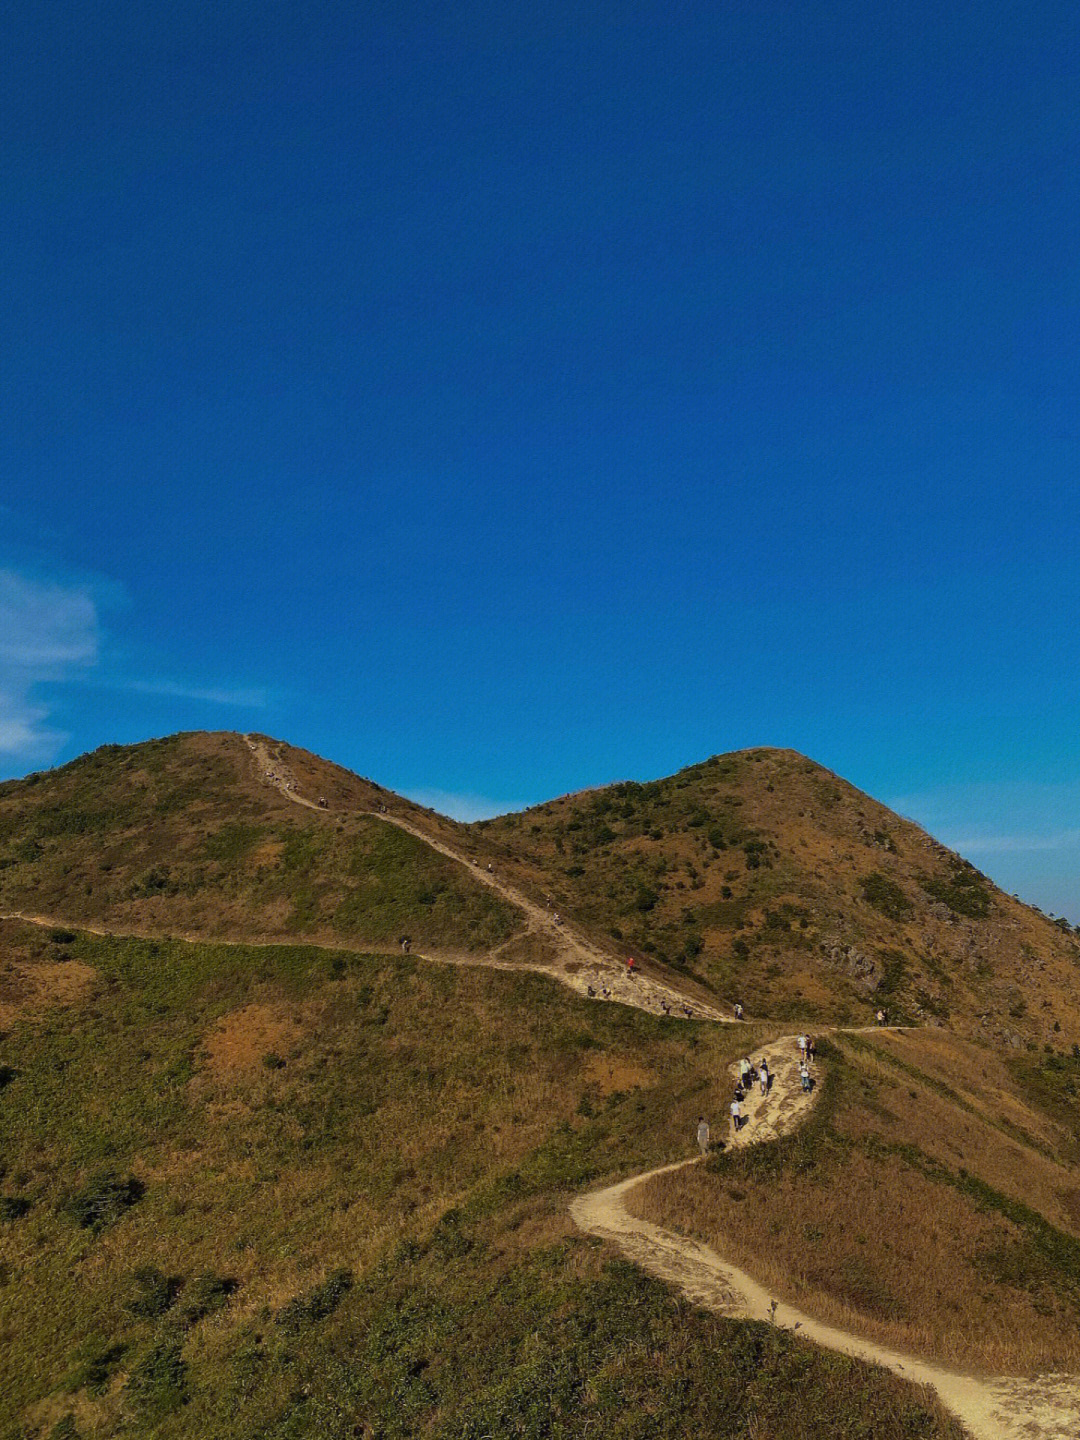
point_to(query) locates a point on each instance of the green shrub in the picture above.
(158, 1383)
(13, 1207)
(96, 1366)
(317, 1304)
(102, 1199)
(206, 1293)
(964, 891)
(155, 1292)
(885, 895)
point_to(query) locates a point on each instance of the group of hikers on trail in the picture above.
(749, 1075)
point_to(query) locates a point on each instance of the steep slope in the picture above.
(197, 835)
(780, 885)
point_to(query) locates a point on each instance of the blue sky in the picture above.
(501, 399)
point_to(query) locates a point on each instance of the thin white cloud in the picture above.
(1023, 833)
(1012, 844)
(246, 699)
(463, 807)
(51, 633)
(48, 632)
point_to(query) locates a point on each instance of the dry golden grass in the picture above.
(29, 987)
(788, 927)
(880, 1221)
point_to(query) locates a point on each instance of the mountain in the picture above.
(778, 884)
(264, 1174)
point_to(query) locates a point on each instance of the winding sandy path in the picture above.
(1046, 1407)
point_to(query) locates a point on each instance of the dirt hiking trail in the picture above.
(578, 963)
(1043, 1408)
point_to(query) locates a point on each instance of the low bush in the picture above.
(885, 895)
(206, 1293)
(155, 1292)
(318, 1304)
(103, 1199)
(158, 1383)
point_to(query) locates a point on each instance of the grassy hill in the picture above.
(780, 885)
(288, 1192)
(259, 1179)
(184, 836)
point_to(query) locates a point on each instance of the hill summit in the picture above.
(776, 883)
(758, 877)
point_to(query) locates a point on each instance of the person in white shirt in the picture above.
(736, 1115)
(763, 1075)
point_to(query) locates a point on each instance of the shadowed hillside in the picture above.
(780, 885)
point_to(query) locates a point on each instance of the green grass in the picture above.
(373, 1234)
(179, 835)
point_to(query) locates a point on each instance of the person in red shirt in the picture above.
(631, 968)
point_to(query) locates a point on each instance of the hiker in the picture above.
(763, 1075)
(490, 870)
(687, 1012)
(880, 1017)
(703, 1135)
(405, 944)
(736, 1115)
(801, 1042)
(738, 1011)
(630, 963)
(811, 1050)
(804, 1075)
(591, 992)
(744, 1072)
(665, 1007)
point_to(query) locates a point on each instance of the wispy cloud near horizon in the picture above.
(244, 698)
(52, 634)
(48, 632)
(1024, 834)
(1011, 844)
(463, 807)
